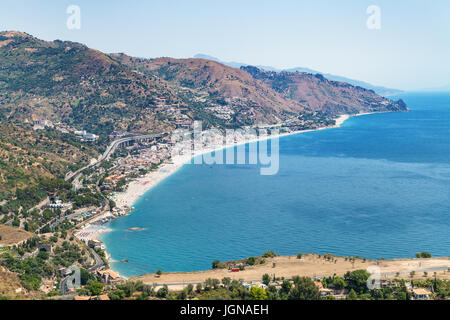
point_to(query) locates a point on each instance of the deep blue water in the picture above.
(378, 187)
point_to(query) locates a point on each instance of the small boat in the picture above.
(125, 260)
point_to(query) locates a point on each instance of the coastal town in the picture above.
(135, 167)
(243, 159)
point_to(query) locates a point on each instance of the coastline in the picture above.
(140, 186)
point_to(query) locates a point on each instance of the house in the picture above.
(102, 297)
(325, 292)
(80, 298)
(85, 298)
(421, 294)
(90, 137)
(56, 204)
(109, 276)
(95, 244)
(385, 283)
(318, 284)
(47, 286)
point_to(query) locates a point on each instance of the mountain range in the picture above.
(84, 89)
(383, 91)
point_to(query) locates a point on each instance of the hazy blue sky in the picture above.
(410, 51)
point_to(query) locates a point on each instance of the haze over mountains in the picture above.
(383, 91)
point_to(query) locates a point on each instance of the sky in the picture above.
(410, 50)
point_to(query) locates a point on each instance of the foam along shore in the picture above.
(138, 187)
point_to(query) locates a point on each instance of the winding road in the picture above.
(76, 176)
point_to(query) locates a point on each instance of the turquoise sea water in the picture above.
(379, 186)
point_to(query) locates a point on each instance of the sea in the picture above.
(377, 187)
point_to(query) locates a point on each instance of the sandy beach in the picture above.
(140, 186)
(311, 265)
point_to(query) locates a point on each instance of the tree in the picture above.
(352, 295)
(339, 283)
(257, 293)
(159, 273)
(163, 292)
(272, 293)
(286, 286)
(269, 254)
(304, 289)
(251, 261)
(95, 288)
(42, 255)
(266, 279)
(211, 284)
(85, 276)
(423, 255)
(226, 281)
(357, 280)
(215, 264)
(299, 255)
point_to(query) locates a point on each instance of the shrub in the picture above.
(163, 292)
(266, 279)
(423, 255)
(269, 254)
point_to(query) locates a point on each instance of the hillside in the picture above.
(250, 99)
(382, 91)
(321, 94)
(27, 157)
(12, 288)
(66, 81)
(264, 96)
(85, 89)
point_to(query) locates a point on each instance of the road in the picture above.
(98, 261)
(63, 288)
(76, 176)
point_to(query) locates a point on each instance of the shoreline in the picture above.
(310, 265)
(137, 188)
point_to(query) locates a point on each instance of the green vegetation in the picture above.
(423, 255)
(40, 264)
(269, 254)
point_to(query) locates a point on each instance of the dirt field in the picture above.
(10, 235)
(311, 266)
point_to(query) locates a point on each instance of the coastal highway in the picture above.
(108, 152)
(98, 261)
